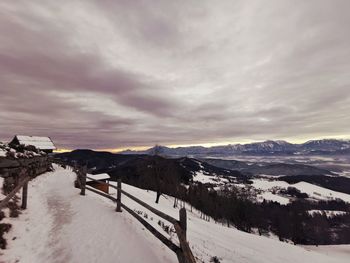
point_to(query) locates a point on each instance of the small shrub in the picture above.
(215, 259)
(4, 228)
(14, 209)
(8, 185)
(168, 229)
(2, 215)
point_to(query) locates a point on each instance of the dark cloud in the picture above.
(106, 74)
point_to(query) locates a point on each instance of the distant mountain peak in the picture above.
(327, 141)
(282, 142)
(268, 147)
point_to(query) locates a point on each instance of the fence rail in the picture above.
(21, 171)
(183, 253)
(12, 194)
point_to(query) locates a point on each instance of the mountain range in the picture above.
(279, 147)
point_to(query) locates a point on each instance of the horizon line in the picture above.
(206, 145)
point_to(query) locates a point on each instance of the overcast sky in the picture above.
(111, 74)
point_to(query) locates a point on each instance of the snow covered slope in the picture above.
(62, 226)
(208, 239)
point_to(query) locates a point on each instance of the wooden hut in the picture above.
(101, 178)
(44, 144)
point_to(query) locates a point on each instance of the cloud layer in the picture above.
(107, 74)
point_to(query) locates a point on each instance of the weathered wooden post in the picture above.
(119, 196)
(17, 178)
(185, 254)
(183, 221)
(24, 195)
(82, 174)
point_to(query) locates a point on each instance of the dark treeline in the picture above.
(291, 221)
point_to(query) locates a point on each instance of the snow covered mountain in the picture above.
(279, 147)
(327, 145)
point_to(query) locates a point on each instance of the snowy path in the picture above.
(62, 226)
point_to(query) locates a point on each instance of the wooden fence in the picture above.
(183, 253)
(21, 171)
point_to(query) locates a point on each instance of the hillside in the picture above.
(94, 160)
(209, 239)
(135, 168)
(62, 226)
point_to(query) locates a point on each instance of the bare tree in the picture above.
(157, 172)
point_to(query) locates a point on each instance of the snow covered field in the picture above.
(314, 191)
(62, 226)
(212, 179)
(273, 197)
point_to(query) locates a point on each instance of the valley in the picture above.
(270, 188)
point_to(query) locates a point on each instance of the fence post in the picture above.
(119, 196)
(183, 221)
(24, 195)
(82, 173)
(16, 182)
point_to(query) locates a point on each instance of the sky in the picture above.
(109, 74)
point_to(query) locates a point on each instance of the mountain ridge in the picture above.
(269, 147)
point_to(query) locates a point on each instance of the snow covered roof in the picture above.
(103, 176)
(42, 143)
(2, 153)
